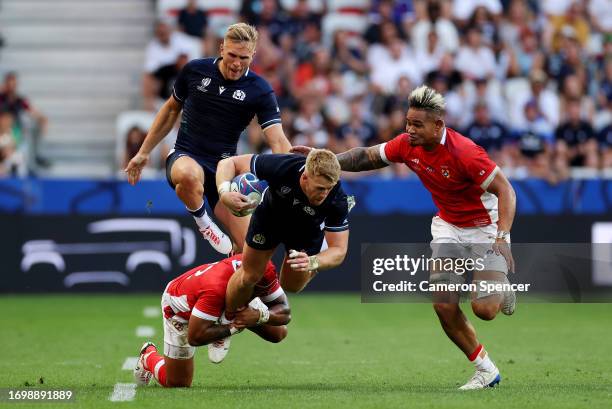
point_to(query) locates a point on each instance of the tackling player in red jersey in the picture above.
(476, 209)
(192, 307)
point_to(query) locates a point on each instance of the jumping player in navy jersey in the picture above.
(304, 208)
(218, 98)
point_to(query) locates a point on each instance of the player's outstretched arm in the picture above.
(277, 141)
(361, 159)
(163, 123)
(506, 198)
(331, 257)
(203, 332)
(227, 169)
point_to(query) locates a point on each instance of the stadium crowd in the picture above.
(529, 81)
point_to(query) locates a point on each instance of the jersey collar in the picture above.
(443, 140)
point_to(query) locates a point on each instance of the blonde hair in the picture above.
(323, 162)
(242, 32)
(427, 99)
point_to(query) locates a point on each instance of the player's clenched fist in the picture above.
(135, 166)
(237, 202)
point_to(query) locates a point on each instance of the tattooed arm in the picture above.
(360, 159)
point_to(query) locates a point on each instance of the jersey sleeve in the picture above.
(181, 85)
(272, 167)
(391, 152)
(268, 112)
(479, 167)
(268, 288)
(337, 220)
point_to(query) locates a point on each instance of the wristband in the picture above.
(223, 188)
(264, 316)
(313, 263)
(504, 235)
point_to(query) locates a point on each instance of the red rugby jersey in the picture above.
(201, 290)
(456, 173)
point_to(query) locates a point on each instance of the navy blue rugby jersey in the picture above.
(286, 198)
(216, 110)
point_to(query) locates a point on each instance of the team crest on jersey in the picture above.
(259, 239)
(309, 210)
(205, 83)
(351, 202)
(445, 172)
(240, 95)
(284, 190)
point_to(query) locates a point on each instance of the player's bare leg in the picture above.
(271, 333)
(188, 178)
(237, 226)
(294, 281)
(485, 305)
(241, 284)
(457, 327)
(168, 372)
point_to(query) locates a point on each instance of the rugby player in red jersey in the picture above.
(192, 307)
(476, 209)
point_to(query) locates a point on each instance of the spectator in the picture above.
(576, 140)
(162, 51)
(349, 54)
(482, 19)
(546, 99)
(20, 108)
(273, 18)
(572, 21)
(433, 20)
(383, 15)
(486, 132)
(192, 20)
(534, 143)
(447, 72)
(475, 60)
(463, 9)
(605, 142)
(357, 131)
(309, 124)
(390, 61)
(526, 56)
(11, 161)
(519, 19)
(429, 58)
(487, 92)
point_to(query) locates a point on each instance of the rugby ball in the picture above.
(249, 185)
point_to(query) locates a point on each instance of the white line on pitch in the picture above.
(129, 363)
(123, 392)
(151, 312)
(145, 331)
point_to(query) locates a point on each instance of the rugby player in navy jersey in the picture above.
(218, 98)
(304, 208)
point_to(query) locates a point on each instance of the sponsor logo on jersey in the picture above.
(259, 239)
(239, 95)
(309, 210)
(429, 169)
(221, 89)
(415, 161)
(284, 190)
(205, 83)
(296, 202)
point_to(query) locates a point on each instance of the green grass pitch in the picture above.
(339, 354)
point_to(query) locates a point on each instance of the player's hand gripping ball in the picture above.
(249, 185)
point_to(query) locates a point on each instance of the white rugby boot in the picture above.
(509, 303)
(217, 239)
(482, 379)
(143, 376)
(217, 351)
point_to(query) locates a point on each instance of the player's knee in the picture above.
(293, 287)
(485, 311)
(445, 310)
(251, 276)
(188, 179)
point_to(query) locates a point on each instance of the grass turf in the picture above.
(339, 353)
